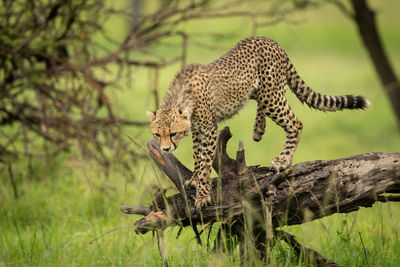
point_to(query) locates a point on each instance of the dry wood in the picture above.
(304, 192)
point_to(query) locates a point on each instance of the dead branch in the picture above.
(135, 210)
(304, 192)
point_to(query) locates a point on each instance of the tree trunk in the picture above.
(304, 192)
(365, 20)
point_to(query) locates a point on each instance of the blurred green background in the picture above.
(68, 210)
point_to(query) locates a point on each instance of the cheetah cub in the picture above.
(200, 96)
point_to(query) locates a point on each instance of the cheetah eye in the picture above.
(156, 134)
(172, 134)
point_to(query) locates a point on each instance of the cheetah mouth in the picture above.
(169, 150)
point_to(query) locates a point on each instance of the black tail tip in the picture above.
(362, 103)
(355, 102)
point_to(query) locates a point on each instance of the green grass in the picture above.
(67, 212)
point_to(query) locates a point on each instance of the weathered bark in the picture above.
(365, 20)
(304, 192)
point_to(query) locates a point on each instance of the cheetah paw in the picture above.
(257, 136)
(279, 164)
(192, 182)
(202, 201)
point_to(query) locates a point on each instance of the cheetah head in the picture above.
(169, 126)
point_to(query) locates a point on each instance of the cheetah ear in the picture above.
(151, 115)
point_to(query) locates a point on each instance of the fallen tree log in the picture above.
(305, 191)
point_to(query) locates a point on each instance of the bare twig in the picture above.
(135, 210)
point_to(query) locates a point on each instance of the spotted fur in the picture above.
(200, 96)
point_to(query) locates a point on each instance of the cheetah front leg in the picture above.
(196, 137)
(208, 143)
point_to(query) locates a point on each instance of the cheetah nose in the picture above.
(166, 149)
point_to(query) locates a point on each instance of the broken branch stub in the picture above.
(170, 165)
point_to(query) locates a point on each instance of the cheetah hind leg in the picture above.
(293, 133)
(285, 118)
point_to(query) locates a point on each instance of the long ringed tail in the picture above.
(319, 101)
